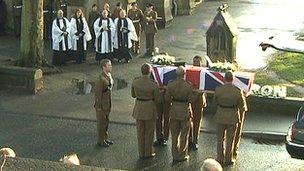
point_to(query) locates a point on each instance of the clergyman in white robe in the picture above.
(104, 31)
(124, 34)
(61, 40)
(80, 34)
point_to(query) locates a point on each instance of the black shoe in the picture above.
(109, 142)
(103, 145)
(181, 160)
(195, 147)
(157, 143)
(164, 143)
(228, 163)
(152, 155)
(190, 146)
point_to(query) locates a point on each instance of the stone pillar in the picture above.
(163, 9)
(185, 7)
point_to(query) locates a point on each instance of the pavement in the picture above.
(46, 139)
(57, 120)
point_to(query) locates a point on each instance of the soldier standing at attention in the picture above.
(150, 29)
(103, 91)
(230, 102)
(179, 93)
(198, 103)
(145, 91)
(136, 15)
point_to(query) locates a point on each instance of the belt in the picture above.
(234, 106)
(179, 100)
(139, 99)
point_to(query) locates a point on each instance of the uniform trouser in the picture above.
(145, 135)
(180, 132)
(238, 134)
(196, 124)
(150, 42)
(225, 138)
(162, 122)
(136, 44)
(102, 124)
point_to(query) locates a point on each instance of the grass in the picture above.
(262, 79)
(289, 66)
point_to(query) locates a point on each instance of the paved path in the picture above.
(50, 138)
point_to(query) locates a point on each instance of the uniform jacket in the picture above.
(103, 91)
(150, 25)
(137, 17)
(179, 93)
(198, 99)
(146, 93)
(230, 102)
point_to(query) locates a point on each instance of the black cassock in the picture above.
(123, 52)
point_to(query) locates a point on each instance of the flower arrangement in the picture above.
(223, 66)
(163, 59)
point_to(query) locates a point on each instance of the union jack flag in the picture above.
(202, 78)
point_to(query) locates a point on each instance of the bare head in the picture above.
(134, 5)
(105, 13)
(70, 159)
(106, 6)
(106, 65)
(149, 7)
(197, 61)
(122, 14)
(180, 72)
(78, 13)
(211, 165)
(94, 7)
(7, 152)
(60, 13)
(119, 5)
(146, 69)
(229, 76)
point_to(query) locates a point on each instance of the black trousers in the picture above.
(122, 53)
(2, 28)
(101, 56)
(60, 57)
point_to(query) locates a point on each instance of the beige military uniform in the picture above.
(179, 93)
(230, 101)
(137, 18)
(103, 88)
(145, 91)
(198, 102)
(162, 122)
(151, 30)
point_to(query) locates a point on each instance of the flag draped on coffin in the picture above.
(202, 78)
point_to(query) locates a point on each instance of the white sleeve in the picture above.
(56, 32)
(97, 28)
(86, 29)
(132, 30)
(73, 28)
